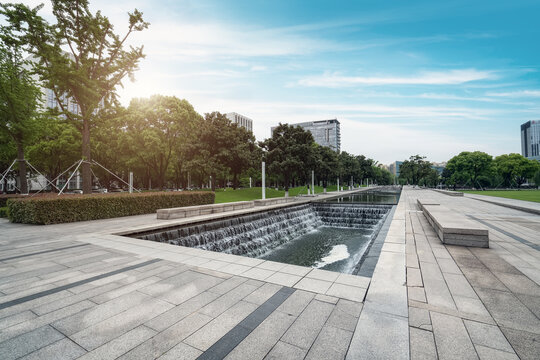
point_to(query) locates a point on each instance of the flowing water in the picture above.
(326, 235)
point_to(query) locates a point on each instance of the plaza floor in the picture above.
(72, 291)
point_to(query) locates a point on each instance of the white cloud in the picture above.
(449, 77)
(516, 94)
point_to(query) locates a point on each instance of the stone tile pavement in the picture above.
(73, 291)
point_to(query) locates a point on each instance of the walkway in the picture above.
(72, 291)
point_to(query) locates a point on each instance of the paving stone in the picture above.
(261, 340)
(227, 285)
(283, 279)
(181, 352)
(459, 286)
(120, 345)
(347, 292)
(412, 260)
(526, 344)
(305, 329)
(177, 313)
(531, 302)
(326, 298)
(79, 321)
(295, 270)
(224, 302)
(64, 349)
(375, 330)
(486, 353)
(262, 294)
(519, 284)
(414, 277)
(451, 337)
(26, 343)
(482, 278)
(105, 331)
(16, 319)
(205, 337)
(296, 302)
(332, 343)
(345, 315)
(508, 311)
(283, 350)
(353, 280)
(323, 275)
(467, 305)
(271, 265)
(416, 294)
(257, 274)
(314, 285)
(448, 266)
(437, 292)
(419, 318)
(234, 269)
(487, 335)
(167, 339)
(422, 344)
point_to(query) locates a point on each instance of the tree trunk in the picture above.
(22, 169)
(86, 171)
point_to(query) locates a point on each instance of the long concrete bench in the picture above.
(274, 201)
(454, 228)
(188, 211)
(449, 192)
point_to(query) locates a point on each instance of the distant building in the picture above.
(240, 120)
(530, 140)
(394, 167)
(325, 132)
(438, 166)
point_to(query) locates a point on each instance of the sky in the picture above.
(403, 77)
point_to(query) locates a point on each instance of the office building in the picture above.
(394, 167)
(240, 120)
(530, 140)
(438, 166)
(325, 132)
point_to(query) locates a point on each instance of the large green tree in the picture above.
(19, 97)
(414, 169)
(515, 168)
(289, 153)
(95, 63)
(470, 165)
(155, 128)
(326, 167)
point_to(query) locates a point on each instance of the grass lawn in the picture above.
(230, 195)
(527, 195)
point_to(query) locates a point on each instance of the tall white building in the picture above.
(240, 120)
(530, 140)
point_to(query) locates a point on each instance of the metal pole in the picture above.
(131, 182)
(69, 179)
(338, 184)
(9, 168)
(250, 182)
(263, 182)
(312, 182)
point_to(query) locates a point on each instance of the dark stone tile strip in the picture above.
(515, 237)
(234, 337)
(72, 285)
(43, 252)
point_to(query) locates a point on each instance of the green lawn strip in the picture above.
(248, 194)
(526, 195)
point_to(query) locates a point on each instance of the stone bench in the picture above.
(454, 228)
(274, 201)
(188, 211)
(448, 192)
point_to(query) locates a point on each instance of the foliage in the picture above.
(69, 208)
(468, 166)
(415, 169)
(326, 164)
(3, 212)
(515, 168)
(156, 128)
(536, 178)
(92, 69)
(290, 153)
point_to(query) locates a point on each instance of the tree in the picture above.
(470, 166)
(349, 167)
(92, 69)
(156, 128)
(289, 153)
(537, 178)
(19, 97)
(58, 146)
(515, 168)
(240, 154)
(326, 164)
(415, 169)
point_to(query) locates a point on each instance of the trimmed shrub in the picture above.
(5, 197)
(55, 209)
(3, 212)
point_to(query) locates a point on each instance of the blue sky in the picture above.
(403, 77)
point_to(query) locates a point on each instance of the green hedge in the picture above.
(5, 197)
(3, 212)
(55, 209)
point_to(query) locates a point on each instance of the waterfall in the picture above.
(256, 234)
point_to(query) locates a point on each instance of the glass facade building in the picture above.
(530, 140)
(325, 132)
(240, 120)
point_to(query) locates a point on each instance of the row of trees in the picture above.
(473, 169)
